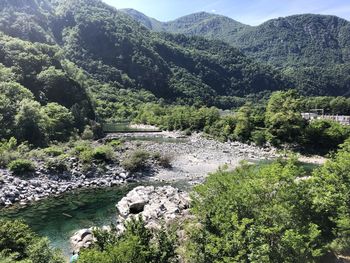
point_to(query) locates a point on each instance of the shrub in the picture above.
(136, 161)
(56, 165)
(81, 146)
(54, 151)
(259, 138)
(21, 166)
(115, 143)
(8, 151)
(18, 243)
(86, 156)
(165, 161)
(136, 244)
(87, 134)
(103, 153)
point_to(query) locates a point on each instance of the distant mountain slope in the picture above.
(111, 47)
(306, 40)
(150, 23)
(27, 19)
(114, 48)
(203, 24)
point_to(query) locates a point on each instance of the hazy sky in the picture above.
(251, 12)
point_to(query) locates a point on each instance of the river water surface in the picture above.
(58, 218)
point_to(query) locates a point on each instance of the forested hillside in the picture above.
(113, 48)
(300, 39)
(312, 50)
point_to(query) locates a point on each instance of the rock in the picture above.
(154, 205)
(82, 239)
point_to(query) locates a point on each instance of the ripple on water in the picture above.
(58, 218)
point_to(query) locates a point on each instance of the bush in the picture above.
(20, 244)
(165, 161)
(8, 151)
(81, 146)
(136, 244)
(86, 156)
(259, 138)
(21, 166)
(56, 165)
(87, 134)
(103, 153)
(136, 161)
(54, 151)
(115, 143)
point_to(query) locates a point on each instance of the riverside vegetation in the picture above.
(68, 67)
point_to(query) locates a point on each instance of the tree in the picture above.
(136, 244)
(322, 136)
(254, 214)
(60, 122)
(30, 123)
(11, 94)
(19, 244)
(283, 118)
(330, 198)
(7, 113)
(340, 105)
(244, 127)
(15, 92)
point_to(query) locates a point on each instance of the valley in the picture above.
(197, 140)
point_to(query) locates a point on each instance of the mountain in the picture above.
(109, 46)
(307, 39)
(300, 39)
(203, 24)
(112, 48)
(312, 51)
(150, 23)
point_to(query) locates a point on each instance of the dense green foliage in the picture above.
(135, 245)
(330, 198)
(133, 57)
(254, 215)
(283, 118)
(27, 78)
(272, 214)
(20, 167)
(19, 244)
(279, 122)
(313, 50)
(330, 105)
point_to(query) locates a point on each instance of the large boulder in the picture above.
(156, 205)
(82, 239)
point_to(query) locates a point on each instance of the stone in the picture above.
(82, 239)
(154, 205)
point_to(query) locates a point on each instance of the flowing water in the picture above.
(58, 218)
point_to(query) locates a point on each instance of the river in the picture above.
(58, 218)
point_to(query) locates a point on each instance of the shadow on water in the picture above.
(58, 218)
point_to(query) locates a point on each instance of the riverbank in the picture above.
(192, 159)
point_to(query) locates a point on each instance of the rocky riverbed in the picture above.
(157, 206)
(14, 190)
(192, 159)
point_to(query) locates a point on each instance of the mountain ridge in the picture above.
(113, 48)
(273, 35)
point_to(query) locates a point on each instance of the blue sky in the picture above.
(252, 12)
